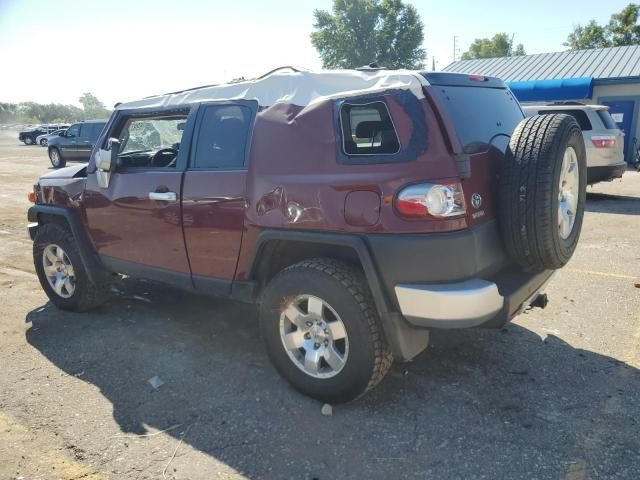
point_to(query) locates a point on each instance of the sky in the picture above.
(120, 50)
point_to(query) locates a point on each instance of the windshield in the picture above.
(151, 134)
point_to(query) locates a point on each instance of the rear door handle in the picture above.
(163, 196)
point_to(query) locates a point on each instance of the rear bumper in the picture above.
(450, 305)
(605, 173)
(471, 303)
(453, 280)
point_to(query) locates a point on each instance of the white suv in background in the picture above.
(603, 140)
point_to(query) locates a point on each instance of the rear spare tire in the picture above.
(542, 191)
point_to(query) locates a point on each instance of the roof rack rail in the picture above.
(566, 103)
(285, 67)
(371, 67)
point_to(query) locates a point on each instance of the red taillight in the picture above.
(31, 196)
(603, 141)
(431, 200)
(477, 78)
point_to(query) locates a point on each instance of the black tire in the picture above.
(56, 158)
(28, 140)
(43, 142)
(529, 191)
(87, 295)
(343, 288)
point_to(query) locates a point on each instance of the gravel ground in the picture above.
(554, 395)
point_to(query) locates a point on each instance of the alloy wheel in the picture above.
(568, 193)
(314, 336)
(59, 270)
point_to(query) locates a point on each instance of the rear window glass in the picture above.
(607, 119)
(579, 115)
(368, 130)
(479, 114)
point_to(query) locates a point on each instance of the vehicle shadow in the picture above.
(618, 204)
(490, 404)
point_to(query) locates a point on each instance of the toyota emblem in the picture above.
(476, 200)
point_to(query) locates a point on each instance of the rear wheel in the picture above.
(28, 140)
(56, 158)
(43, 142)
(543, 191)
(61, 272)
(322, 331)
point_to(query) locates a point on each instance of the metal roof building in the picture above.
(598, 63)
(609, 76)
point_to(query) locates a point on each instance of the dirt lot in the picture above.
(555, 395)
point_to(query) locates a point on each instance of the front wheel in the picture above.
(322, 331)
(56, 258)
(56, 158)
(28, 140)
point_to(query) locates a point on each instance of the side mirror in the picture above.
(114, 148)
(106, 160)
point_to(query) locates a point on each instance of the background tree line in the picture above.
(622, 29)
(390, 33)
(32, 112)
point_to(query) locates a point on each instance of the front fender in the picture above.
(90, 260)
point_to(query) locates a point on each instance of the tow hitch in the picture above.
(540, 301)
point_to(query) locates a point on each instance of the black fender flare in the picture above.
(405, 342)
(90, 260)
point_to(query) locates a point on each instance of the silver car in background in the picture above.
(43, 140)
(603, 140)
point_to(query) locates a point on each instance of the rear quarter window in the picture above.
(368, 130)
(580, 116)
(607, 119)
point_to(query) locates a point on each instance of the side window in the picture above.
(73, 130)
(94, 133)
(580, 116)
(222, 137)
(150, 141)
(368, 130)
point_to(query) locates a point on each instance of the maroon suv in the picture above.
(358, 209)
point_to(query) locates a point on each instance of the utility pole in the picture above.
(433, 64)
(511, 45)
(456, 49)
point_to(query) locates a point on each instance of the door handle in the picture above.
(163, 196)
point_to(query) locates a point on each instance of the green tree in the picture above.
(93, 108)
(498, 46)
(360, 32)
(590, 35)
(623, 29)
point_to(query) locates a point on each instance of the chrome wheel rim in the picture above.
(314, 336)
(568, 193)
(59, 270)
(43, 142)
(55, 156)
(28, 140)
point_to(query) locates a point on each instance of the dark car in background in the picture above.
(29, 134)
(76, 143)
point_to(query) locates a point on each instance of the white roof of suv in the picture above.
(294, 87)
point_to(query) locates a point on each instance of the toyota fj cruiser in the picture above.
(357, 209)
